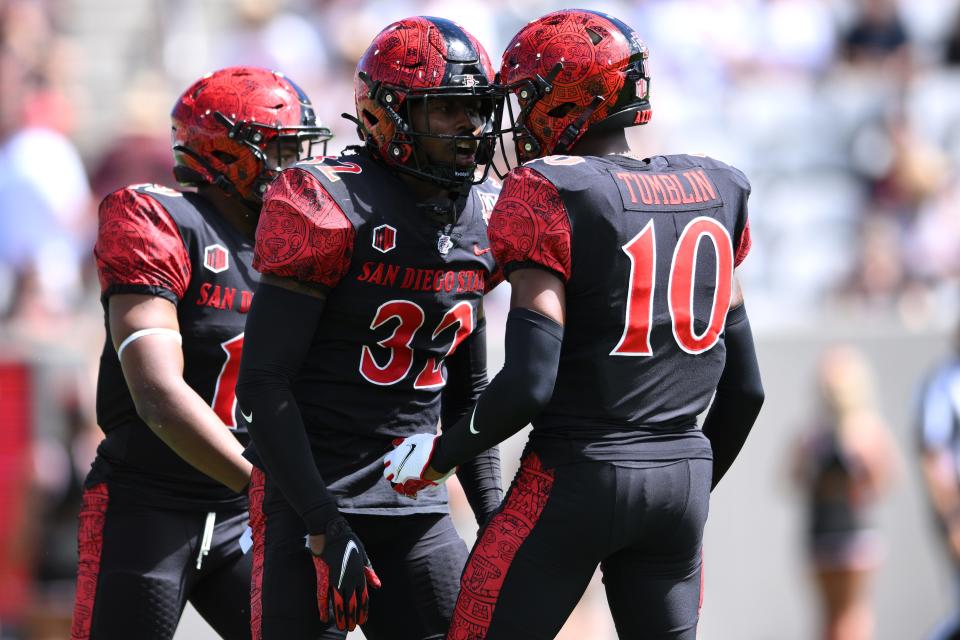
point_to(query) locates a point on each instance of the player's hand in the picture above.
(407, 467)
(343, 573)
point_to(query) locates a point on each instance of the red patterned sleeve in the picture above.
(139, 248)
(529, 225)
(303, 233)
(743, 246)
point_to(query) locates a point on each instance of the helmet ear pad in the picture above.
(601, 76)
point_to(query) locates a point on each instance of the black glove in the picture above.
(343, 571)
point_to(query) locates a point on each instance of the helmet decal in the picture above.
(572, 70)
(226, 125)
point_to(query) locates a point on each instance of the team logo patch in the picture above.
(216, 258)
(487, 202)
(384, 238)
(444, 244)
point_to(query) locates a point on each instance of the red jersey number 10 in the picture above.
(642, 251)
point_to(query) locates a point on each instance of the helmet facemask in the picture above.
(414, 147)
(413, 67)
(275, 147)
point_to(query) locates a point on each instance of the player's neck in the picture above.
(425, 191)
(601, 143)
(235, 212)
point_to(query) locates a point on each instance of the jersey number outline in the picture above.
(411, 317)
(330, 166)
(224, 402)
(642, 252)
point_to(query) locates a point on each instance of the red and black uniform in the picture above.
(398, 347)
(145, 509)
(616, 471)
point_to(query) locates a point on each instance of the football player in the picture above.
(368, 327)
(164, 506)
(625, 318)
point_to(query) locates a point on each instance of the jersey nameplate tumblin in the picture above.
(685, 190)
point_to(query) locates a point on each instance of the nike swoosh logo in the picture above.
(405, 458)
(472, 416)
(351, 546)
(477, 251)
(248, 418)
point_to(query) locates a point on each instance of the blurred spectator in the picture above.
(138, 152)
(45, 205)
(878, 37)
(939, 425)
(266, 34)
(64, 445)
(844, 463)
(932, 241)
(951, 55)
(877, 277)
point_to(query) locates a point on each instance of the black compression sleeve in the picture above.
(739, 395)
(517, 394)
(466, 379)
(278, 334)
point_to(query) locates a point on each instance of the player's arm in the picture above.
(537, 271)
(302, 249)
(521, 390)
(279, 332)
(153, 368)
(144, 272)
(938, 463)
(739, 395)
(466, 380)
(280, 326)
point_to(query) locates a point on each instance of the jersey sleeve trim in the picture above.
(139, 248)
(530, 264)
(303, 233)
(142, 289)
(530, 225)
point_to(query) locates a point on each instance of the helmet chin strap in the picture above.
(571, 134)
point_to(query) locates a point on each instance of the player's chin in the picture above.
(465, 160)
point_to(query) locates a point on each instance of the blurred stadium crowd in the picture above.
(842, 112)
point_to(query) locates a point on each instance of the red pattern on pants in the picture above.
(93, 515)
(498, 544)
(259, 526)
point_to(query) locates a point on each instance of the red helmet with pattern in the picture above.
(423, 58)
(570, 71)
(235, 127)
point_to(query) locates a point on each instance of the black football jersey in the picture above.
(157, 241)
(647, 250)
(403, 291)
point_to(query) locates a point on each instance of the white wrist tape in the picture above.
(136, 335)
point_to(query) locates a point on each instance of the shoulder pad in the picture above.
(303, 233)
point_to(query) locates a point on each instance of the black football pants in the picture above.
(138, 569)
(418, 558)
(642, 522)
